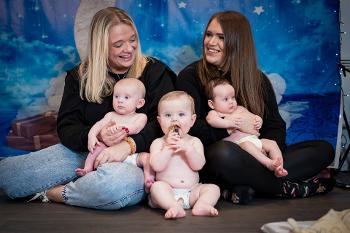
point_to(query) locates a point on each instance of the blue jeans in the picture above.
(111, 186)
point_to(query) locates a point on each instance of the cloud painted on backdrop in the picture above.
(27, 70)
(176, 57)
(290, 110)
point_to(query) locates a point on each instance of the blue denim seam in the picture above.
(48, 186)
(122, 199)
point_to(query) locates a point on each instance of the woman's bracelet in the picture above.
(131, 143)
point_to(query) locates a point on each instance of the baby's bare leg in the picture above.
(162, 196)
(261, 157)
(203, 198)
(142, 160)
(90, 159)
(275, 154)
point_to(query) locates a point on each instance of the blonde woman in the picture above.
(114, 52)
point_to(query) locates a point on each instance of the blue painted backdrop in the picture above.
(297, 44)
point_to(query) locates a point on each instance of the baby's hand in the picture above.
(113, 129)
(180, 145)
(258, 122)
(171, 138)
(92, 143)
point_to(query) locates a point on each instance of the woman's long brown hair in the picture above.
(239, 63)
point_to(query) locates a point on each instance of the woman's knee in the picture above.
(118, 175)
(117, 185)
(220, 150)
(318, 149)
(37, 171)
(327, 149)
(223, 153)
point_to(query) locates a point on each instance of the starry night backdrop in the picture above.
(297, 44)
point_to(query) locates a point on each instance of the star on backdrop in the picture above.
(182, 4)
(172, 31)
(258, 10)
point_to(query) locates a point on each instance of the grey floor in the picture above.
(19, 216)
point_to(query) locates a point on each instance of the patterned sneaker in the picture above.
(241, 195)
(308, 188)
(40, 196)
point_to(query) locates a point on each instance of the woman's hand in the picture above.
(236, 121)
(245, 122)
(116, 153)
(112, 137)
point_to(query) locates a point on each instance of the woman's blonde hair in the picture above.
(95, 82)
(239, 63)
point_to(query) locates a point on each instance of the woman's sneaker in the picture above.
(40, 196)
(240, 194)
(308, 188)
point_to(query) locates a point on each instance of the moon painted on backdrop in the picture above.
(85, 12)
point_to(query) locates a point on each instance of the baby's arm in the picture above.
(160, 154)
(194, 153)
(215, 120)
(95, 130)
(137, 124)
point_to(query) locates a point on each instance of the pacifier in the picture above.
(175, 128)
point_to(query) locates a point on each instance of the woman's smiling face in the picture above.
(214, 44)
(122, 48)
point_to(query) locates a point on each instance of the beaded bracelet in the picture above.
(132, 144)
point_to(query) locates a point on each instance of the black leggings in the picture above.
(228, 165)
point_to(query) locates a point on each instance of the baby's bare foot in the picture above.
(273, 165)
(203, 209)
(149, 175)
(280, 172)
(175, 212)
(148, 184)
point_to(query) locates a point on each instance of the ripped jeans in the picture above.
(111, 186)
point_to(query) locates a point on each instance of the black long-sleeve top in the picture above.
(76, 116)
(273, 127)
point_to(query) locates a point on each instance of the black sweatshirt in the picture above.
(273, 127)
(77, 116)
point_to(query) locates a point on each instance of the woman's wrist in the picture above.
(131, 144)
